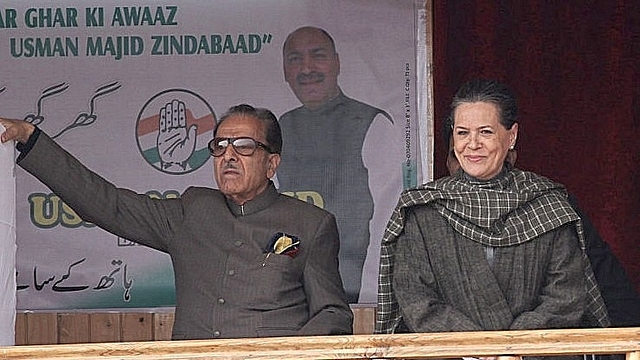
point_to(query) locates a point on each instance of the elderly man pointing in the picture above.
(248, 261)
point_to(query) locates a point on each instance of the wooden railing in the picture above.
(398, 346)
(82, 326)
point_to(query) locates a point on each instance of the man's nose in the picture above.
(229, 153)
(307, 64)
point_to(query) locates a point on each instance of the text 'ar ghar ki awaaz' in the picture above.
(119, 46)
(67, 17)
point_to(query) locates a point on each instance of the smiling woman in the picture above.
(504, 243)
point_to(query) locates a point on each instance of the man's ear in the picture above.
(272, 165)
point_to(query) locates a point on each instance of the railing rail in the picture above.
(396, 346)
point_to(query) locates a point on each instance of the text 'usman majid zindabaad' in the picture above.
(118, 46)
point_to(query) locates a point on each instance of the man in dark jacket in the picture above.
(248, 261)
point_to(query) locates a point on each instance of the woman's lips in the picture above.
(474, 158)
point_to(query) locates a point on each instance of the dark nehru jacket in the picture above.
(226, 285)
(322, 162)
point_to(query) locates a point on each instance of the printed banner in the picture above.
(97, 78)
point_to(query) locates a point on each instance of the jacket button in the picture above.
(221, 301)
(216, 333)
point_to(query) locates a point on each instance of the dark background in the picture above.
(573, 66)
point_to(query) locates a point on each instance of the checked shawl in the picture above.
(514, 208)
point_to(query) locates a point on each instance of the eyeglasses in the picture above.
(244, 146)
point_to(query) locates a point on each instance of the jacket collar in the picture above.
(259, 203)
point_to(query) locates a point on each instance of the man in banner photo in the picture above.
(335, 146)
(248, 261)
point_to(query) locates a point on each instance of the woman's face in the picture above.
(480, 141)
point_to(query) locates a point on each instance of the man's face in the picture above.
(239, 177)
(311, 67)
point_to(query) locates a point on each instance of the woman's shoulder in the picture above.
(530, 180)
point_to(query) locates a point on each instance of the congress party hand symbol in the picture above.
(175, 142)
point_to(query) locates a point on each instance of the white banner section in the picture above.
(7, 243)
